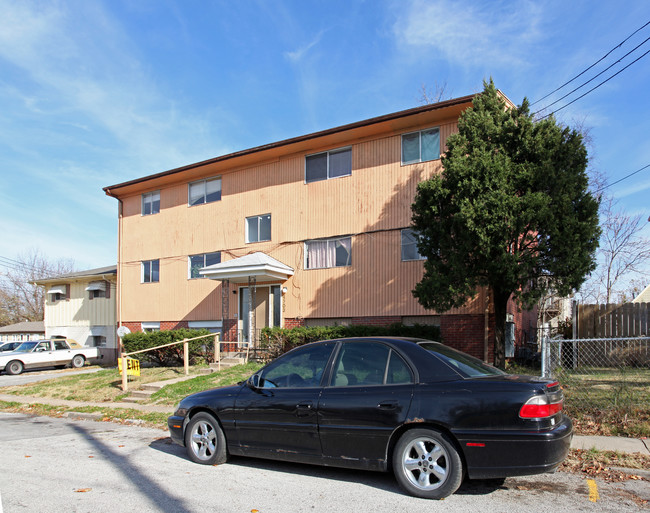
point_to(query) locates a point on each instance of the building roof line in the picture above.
(286, 142)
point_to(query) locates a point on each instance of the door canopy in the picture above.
(256, 265)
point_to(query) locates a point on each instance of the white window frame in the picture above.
(259, 218)
(402, 246)
(148, 327)
(149, 198)
(328, 153)
(333, 240)
(142, 273)
(203, 182)
(204, 255)
(419, 132)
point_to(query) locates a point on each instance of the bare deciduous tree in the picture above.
(624, 255)
(438, 94)
(20, 299)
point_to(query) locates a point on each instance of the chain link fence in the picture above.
(600, 373)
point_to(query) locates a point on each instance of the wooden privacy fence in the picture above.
(613, 320)
(186, 356)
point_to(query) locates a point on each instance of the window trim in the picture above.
(419, 132)
(401, 247)
(142, 265)
(204, 255)
(328, 152)
(203, 181)
(331, 239)
(146, 196)
(258, 217)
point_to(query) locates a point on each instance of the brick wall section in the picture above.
(375, 321)
(293, 323)
(467, 333)
(133, 326)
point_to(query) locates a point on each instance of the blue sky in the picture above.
(94, 93)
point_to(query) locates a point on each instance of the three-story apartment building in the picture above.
(312, 230)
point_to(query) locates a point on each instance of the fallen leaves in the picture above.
(82, 490)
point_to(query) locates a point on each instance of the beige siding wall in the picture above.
(371, 205)
(79, 310)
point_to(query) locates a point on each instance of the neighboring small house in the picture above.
(644, 297)
(22, 331)
(81, 306)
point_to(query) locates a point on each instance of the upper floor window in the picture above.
(329, 164)
(321, 254)
(59, 292)
(198, 262)
(150, 271)
(204, 191)
(421, 146)
(97, 289)
(150, 203)
(258, 228)
(410, 245)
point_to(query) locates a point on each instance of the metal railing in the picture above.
(602, 372)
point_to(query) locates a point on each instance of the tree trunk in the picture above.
(500, 311)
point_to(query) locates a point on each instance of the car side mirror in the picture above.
(254, 381)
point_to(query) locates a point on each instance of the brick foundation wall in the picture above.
(173, 325)
(467, 333)
(293, 323)
(384, 321)
(133, 326)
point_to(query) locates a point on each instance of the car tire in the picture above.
(204, 440)
(78, 361)
(426, 464)
(14, 367)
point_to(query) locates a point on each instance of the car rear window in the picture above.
(465, 364)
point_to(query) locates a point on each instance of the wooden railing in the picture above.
(186, 358)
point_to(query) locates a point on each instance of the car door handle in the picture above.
(388, 405)
(306, 405)
(304, 409)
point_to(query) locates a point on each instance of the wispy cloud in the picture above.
(471, 33)
(298, 54)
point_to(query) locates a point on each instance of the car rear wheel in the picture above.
(78, 361)
(14, 367)
(205, 441)
(426, 464)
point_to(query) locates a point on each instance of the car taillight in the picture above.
(539, 407)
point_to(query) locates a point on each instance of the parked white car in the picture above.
(37, 354)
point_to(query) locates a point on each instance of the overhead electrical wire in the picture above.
(621, 179)
(588, 68)
(596, 76)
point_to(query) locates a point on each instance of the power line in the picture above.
(596, 87)
(587, 69)
(620, 180)
(595, 76)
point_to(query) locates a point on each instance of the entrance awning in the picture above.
(257, 265)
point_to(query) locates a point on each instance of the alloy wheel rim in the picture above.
(204, 440)
(425, 463)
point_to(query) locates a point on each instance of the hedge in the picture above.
(276, 341)
(199, 350)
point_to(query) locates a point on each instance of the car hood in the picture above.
(210, 395)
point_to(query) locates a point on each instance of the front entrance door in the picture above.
(267, 311)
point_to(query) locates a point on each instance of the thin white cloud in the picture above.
(471, 33)
(298, 54)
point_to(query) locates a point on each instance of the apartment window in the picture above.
(258, 228)
(99, 341)
(198, 262)
(329, 164)
(421, 146)
(321, 254)
(59, 292)
(150, 271)
(97, 289)
(204, 191)
(150, 203)
(148, 327)
(410, 246)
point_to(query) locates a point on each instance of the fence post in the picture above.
(186, 357)
(544, 353)
(125, 377)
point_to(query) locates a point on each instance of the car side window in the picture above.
(43, 346)
(365, 364)
(60, 345)
(300, 369)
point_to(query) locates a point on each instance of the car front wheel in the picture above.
(205, 441)
(426, 464)
(15, 367)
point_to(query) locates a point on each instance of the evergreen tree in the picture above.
(511, 211)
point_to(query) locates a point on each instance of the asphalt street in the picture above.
(51, 464)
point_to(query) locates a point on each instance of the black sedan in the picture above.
(429, 412)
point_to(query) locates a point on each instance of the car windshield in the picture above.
(463, 363)
(26, 347)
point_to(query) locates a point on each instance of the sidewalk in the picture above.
(601, 443)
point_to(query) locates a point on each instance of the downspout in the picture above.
(118, 291)
(486, 328)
